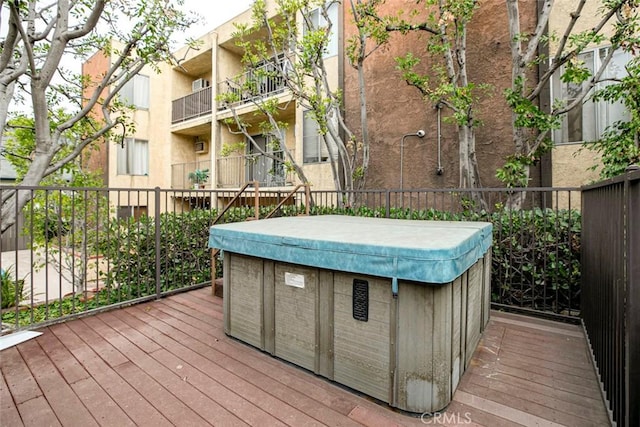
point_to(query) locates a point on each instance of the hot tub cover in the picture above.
(424, 251)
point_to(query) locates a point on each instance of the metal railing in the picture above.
(95, 249)
(611, 290)
(260, 82)
(536, 248)
(181, 172)
(194, 105)
(233, 171)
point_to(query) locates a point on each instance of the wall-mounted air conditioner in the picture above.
(201, 147)
(199, 84)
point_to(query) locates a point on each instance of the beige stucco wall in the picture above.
(570, 162)
(570, 169)
(151, 125)
(561, 16)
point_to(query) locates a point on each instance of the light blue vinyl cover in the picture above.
(423, 251)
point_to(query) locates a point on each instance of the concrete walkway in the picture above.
(42, 282)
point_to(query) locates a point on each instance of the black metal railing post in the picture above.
(157, 224)
(633, 298)
(610, 289)
(387, 202)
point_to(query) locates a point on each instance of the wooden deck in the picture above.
(168, 362)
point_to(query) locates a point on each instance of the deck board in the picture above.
(169, 362)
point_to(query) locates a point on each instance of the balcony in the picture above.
(234, 171)
(180, 175)
(260, 82)
(196, 104)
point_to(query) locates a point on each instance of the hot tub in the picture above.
(391, 308)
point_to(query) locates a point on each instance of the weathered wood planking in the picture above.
(411, 351)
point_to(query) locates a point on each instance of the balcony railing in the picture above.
(611, 289)
(260, 82)
(180, 175)
(191, 106)
(233, 171)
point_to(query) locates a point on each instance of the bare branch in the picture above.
(560, 59)
(78, 149)
(10, 42)
(89, 24)
(586, 88)
(539, 32)
(404, 28)
(52, 22)
(568, 31)
(27, 48)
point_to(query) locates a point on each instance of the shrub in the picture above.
(184, 257)
(535, 263)
(12, 289)
(536, 259)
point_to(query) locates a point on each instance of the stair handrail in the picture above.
(289, 196)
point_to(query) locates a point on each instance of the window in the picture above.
(136, 92)
(268, 171)
(588, 121)
(133, 158)
(318, 21)
(134, 212)
(314, 149)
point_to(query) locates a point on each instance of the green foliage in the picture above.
(513, 173)
(183, 252)
(287, 46)
(20, 144)
(536, 254)
(536, 259)
(528, 114)
(233, 148)
(199, 176)
(531, 120)
(369, 29)
(69, 223)
(619, 146)
(12, 289)
(618, 28)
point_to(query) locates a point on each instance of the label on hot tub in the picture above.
(295, 280)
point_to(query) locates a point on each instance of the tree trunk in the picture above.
(469, 173)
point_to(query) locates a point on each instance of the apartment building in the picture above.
(587, 122)
(183, 138)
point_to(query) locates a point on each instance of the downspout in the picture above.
(440, 169)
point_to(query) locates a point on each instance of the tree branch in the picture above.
(78, 149)
(560, 59)
(89, 24)
(405, 28)
(543, 20)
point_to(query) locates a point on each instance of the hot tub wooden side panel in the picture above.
(243, 293)
(362, 348)
(474, 283)
(425, 342)
(486, 290)
(296, 315)
(410, 352)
